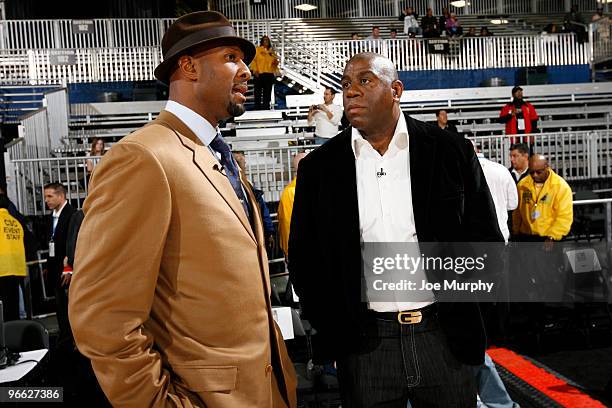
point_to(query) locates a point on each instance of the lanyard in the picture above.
(539, 193)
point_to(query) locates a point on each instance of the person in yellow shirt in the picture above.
(12, 263)
(285, 206)
(263, 68)
(545, 210)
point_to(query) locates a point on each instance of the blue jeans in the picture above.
(320, 140)
(491, 388)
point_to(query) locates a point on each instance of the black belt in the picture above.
(408, 316)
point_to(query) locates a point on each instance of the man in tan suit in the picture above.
(170, 298)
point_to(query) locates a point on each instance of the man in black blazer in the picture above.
(58, 221)
(444, 198)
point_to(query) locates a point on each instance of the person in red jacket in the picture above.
(520, 117)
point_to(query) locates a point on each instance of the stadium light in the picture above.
(499, 21)
(306, 7)
(459, 3)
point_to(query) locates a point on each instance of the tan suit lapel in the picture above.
(208, 165)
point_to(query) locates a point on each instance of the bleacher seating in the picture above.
(341, 29)
(16, 101)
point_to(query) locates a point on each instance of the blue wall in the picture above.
(435, 79)
(126, 90)
(438, 79)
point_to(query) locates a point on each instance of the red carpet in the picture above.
(553, 387)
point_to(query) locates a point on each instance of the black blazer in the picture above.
(451, 203)
(73, 233)
(56, 264)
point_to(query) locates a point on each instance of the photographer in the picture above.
(325, 117)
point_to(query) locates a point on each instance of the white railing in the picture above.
(323, 62)
(101, 33)
(16, 149)
(43, 130)
(270, 169)
(464, 53)
(250, 20)
(32, 174)
(254, 30)
(600, 39)
(34, 129)
(82, 65)
(14, 67)
(573, 155)
(56, 102)
(320, 62)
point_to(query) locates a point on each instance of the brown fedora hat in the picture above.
(202, 28)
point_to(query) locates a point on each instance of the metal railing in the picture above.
(319, 62)
(270, 169)
(573, 155)
(94, 65)
(464, 53)
(56, 102)
(600, 40)
(34, 130)
(32, 174)
(101, 33)
(79, 34)
(44, 129)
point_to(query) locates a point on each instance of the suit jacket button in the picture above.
(268, 369)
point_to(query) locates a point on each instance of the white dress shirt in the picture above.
(384, 194)
(199, 126)
(503, 190)
(56, 214)
(324, 126)
(518, 174)
(196, 123)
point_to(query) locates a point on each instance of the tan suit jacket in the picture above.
(170, 297)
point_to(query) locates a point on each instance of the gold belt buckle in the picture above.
(410, 317)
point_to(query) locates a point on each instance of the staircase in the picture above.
(312, 57)
(16, 101)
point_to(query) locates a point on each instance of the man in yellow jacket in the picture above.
(545, 210)
(12, 263)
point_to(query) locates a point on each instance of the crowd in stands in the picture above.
(449, 25)
(429, 27)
